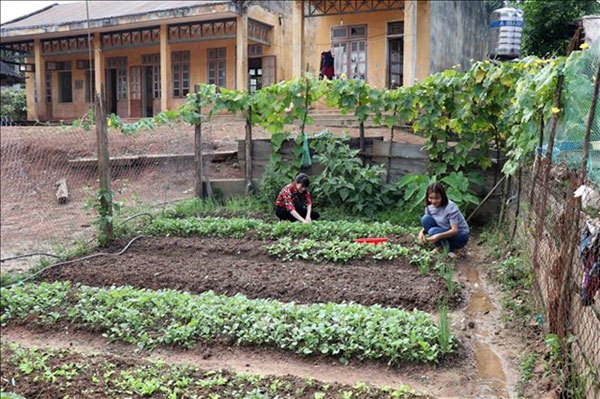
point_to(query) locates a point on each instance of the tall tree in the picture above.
(549, 24)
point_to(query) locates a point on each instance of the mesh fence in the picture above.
(148, 168)
(577, 95)
(551, 222)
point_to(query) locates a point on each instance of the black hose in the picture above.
(28, 255)
(121, 252)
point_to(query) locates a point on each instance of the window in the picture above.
(180, 61)
(120, 64)
(83, 64)
(153, 60)
(216, 66)
(395, 33)
(90, 86)
(65, 87)
(395, 28)
(135, 89)
(255, 50)
(48, 86)
(352, 44)
(156, 81)
(58, 65)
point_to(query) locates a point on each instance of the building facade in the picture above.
(148, 55)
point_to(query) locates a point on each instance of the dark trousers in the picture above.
(453, 243)
(284, 214)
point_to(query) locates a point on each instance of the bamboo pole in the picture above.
(103, 166)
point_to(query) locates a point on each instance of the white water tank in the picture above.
(506, 29)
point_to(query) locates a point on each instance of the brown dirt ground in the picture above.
(230, 266)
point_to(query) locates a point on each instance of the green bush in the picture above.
(13, 104)
(345, 180)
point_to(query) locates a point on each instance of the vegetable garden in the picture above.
(181, 278)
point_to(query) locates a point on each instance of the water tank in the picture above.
(506, 29)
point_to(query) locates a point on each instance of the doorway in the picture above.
(255, 73)
(147, 97)
(395, 62)
(111, 90)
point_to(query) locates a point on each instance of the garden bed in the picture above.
(231, 266)
(49, 374)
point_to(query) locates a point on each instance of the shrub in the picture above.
(13, 104)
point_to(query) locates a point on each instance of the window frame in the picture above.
(348, 40)
(213, 64)
(180, 64)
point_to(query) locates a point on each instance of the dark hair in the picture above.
(303, 179)
(436, 188)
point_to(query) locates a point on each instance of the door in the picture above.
(49, 95)
(111, 90)
(135, 92)
(395, 62)
(269, 75)
(147, 98)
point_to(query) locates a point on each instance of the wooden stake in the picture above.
(199, 188)
(103, 164)
(62, 191)
(248, 148)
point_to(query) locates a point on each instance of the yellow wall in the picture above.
(317, 38)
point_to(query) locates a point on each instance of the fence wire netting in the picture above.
(551, 222)
(147, 169)
(577, 96)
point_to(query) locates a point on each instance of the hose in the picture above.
(121, 252)
(28, 255)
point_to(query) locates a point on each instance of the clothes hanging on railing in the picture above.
(589, 253)
(326, 68)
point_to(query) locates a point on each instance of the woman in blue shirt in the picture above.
(443, 223)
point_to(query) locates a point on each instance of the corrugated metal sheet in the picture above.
(8, 70)
(75, 12)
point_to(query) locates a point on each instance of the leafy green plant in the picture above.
(414, 188)
(345, 180)
(445, 338)
(336, 251)
(149, 318)
(13, 104)
(69, 372)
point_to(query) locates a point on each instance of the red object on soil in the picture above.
(374, 241)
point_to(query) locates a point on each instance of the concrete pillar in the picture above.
(241, 54)
(165, 68)
(40, 104)
(298, 38)
(409, 67)
(98, 64)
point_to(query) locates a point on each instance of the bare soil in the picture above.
(229, 266)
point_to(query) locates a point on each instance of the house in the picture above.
(9, 76)
(147, 55)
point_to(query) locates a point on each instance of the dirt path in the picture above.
(496, 350)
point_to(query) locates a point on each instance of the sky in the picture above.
(11, 9)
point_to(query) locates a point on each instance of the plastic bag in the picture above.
(306, 161)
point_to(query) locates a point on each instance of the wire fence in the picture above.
(556, 216)
(50, 179)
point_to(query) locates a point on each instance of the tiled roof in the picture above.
(58, 14)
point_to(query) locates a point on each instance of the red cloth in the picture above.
(290, 195)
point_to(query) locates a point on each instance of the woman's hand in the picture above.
(421, 238)
(434, 238)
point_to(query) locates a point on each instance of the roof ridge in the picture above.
(22, 17)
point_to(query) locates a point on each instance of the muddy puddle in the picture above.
(490, 378)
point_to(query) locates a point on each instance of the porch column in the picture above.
(165, 68)
(39, 106)
(297, 39)
(98, 64)
(409, 67)
(241, 54)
